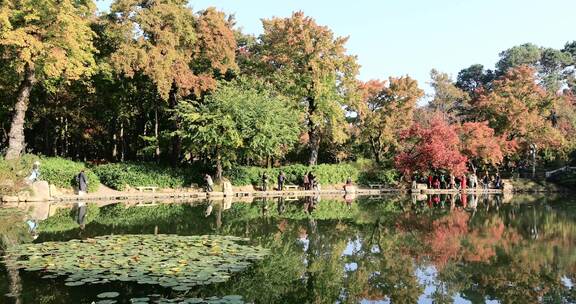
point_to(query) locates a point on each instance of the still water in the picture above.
(439, 249)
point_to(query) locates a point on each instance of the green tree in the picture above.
(307, 63)
(448, 98)
(387, 113)
(180, 53)
(46, 42)
(474, 79)
(238, 120)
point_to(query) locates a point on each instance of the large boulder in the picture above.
(40, 192)
(227, 187)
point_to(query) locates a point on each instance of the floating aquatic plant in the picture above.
(176, 262)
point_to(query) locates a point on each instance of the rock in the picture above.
(350, 189)
(227, 187)
(40, 192)
(421, 186)
(54, 191)
(10, 199)
(507, 186)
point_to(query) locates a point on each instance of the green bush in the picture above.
(120, 175)
(56, 171)
(62, 173)
(13, 173)
(326, 174)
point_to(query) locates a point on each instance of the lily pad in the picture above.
(177, 262)
(108, 295)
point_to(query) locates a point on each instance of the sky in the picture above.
(411, 37)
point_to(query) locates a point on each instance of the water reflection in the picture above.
(439, 248)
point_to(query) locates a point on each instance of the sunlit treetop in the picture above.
(161, 39)
(52, 38)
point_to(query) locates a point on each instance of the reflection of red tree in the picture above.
(445, 236)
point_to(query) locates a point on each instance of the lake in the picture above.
(389, 249)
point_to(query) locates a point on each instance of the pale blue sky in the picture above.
(410, 37)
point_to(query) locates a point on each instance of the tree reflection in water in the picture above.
(398, 249)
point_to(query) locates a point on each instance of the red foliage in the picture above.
(436, 147)
(479, 142)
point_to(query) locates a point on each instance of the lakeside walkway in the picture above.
(125, 196)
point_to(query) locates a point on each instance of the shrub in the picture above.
(13, 173)
(56, 171)
(120, 175)
(326, 174)
(62, 173)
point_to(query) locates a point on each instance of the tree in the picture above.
(385, 114)
(448, 98)
(307, 63)
(474, 78)
(550, 63)
(238, 120)
(45, 42)
(433, 147)
(481, 146)
(525, 54)
(518, 109)
(179, 53)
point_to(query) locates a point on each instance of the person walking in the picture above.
(498, 181)
(209, 183)
(306, 181)
(82, 182)
(281, 179)
(485, 181)
(264, 181)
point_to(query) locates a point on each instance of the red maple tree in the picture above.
(433, 147)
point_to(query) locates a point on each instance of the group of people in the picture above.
(309, 181)
(443, 181)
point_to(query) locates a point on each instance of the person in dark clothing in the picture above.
(82, 182)
(486, 181)
(281, 180)
(498, 181)
(311, 180)
(442, 181)
(264, 181)
(306, 181)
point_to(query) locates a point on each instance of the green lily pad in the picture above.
(108, 295)
(177, 262)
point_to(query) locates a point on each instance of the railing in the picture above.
(559, 170)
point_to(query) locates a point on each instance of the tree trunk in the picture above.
(219, 169)
(156, 133)
(176, 140)
(16, 139)
(314, 145)
(122, 152)
(313, 134)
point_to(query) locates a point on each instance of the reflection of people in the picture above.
(32, 228)
(81, 211)
(208, 210)
(82, 182)
(281, 205)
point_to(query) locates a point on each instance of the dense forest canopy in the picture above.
(157, 81)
